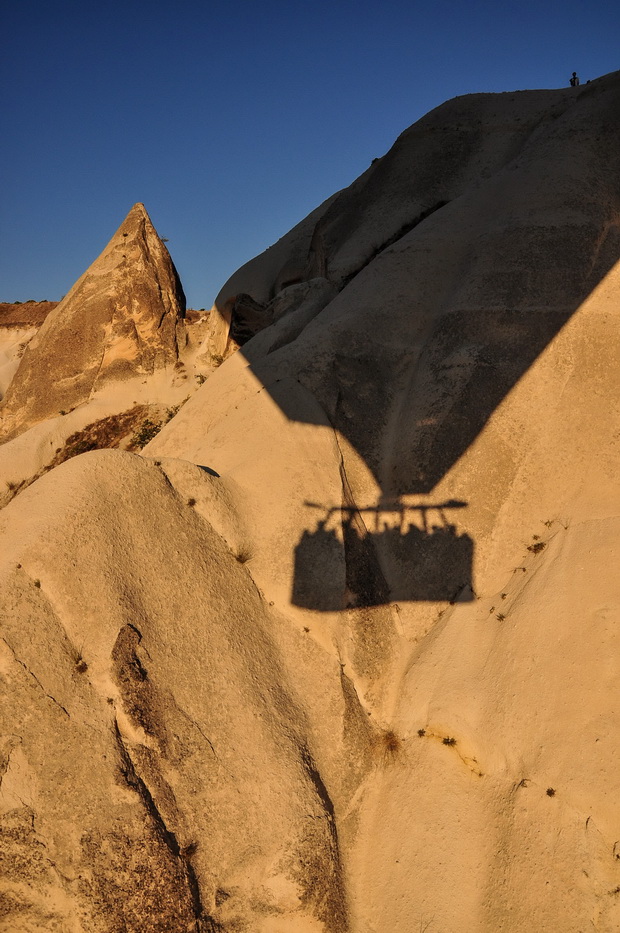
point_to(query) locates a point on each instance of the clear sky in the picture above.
(231, 121)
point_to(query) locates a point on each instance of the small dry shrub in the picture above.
(145, 433)
(243, 555)
(388, 744)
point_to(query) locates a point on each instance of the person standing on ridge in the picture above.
(574, 81)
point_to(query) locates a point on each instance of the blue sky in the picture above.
(232, 121)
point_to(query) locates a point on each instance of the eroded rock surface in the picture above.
(123, 317)
(336, 654)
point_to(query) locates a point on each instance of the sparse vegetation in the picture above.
(103, 434)
(107, 433)
(145, 433)
(389, 743)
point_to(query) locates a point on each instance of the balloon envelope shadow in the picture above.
(339, 564)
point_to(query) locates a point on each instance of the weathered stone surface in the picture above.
(24, 312)
(19, 322)
(257, 700)
(159, 771)
(122, 318)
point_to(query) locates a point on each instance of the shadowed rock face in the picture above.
(123, 317)
(257, 695)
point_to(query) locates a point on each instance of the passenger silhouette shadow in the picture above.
(427, 562)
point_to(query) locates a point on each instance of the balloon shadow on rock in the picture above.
(410, 553)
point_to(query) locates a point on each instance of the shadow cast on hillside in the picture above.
(413, 401)
(394, 559)
(434, 426)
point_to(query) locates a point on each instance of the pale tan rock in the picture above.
(175, 731)
(236, 701)
(123, 317)
(19, 322)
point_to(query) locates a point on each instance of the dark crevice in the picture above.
(317, 780)
(36, 680)
(337, 908)
(400, 233)
(204, 923)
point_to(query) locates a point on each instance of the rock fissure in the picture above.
(391, 240)
(204, 923)
(36, 679)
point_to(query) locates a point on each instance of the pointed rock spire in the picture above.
(122, 318)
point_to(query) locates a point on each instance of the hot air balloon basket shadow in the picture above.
(391, 552)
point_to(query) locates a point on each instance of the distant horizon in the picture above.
(232, 124)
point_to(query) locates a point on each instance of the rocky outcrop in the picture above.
(24, 313)
(150, 804)
(453, 150)
(123, 317)
(336, 653)
(285, 263)
(19, 322)
(428, 467)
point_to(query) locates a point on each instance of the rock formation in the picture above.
(123, 317)
(336, 654)
(19, 323)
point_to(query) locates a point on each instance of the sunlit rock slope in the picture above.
(339, 651)
(123, 317)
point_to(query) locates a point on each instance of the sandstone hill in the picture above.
(106, 367)
(338, 651)
(123, 317)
